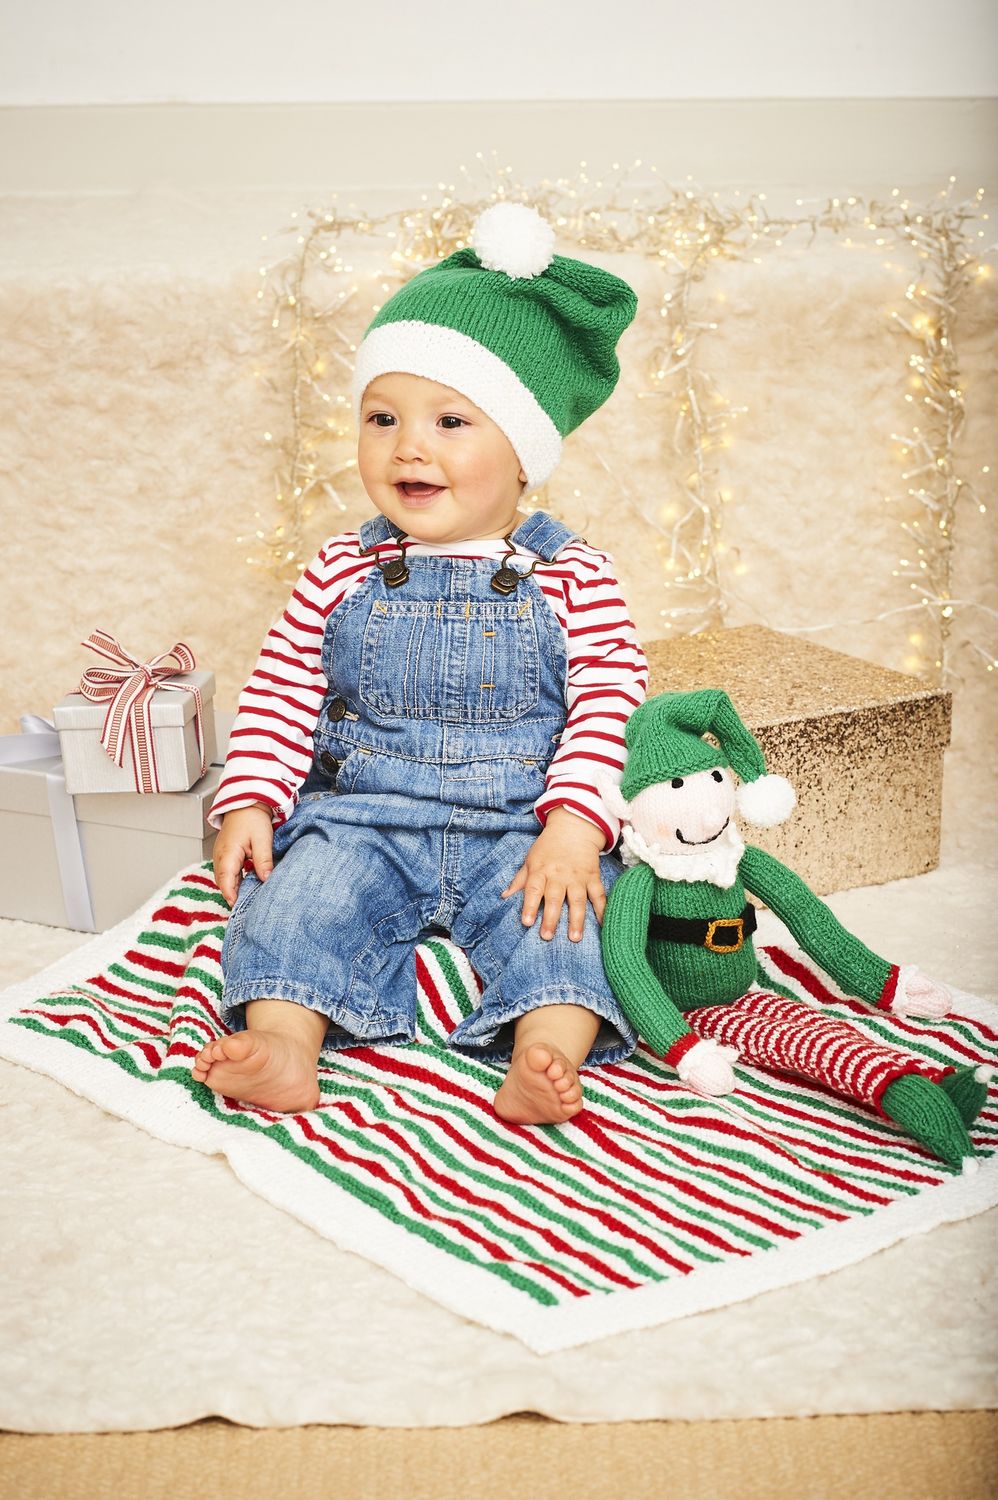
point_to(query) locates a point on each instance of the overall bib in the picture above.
(445, 703)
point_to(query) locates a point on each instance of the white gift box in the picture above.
(90, 870)
(88, 767)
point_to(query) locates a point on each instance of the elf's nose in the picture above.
(696, 830)
(692, 824)
(698, 808)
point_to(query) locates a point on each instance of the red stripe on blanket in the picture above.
(425, 979)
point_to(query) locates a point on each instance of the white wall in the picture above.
(60, 52)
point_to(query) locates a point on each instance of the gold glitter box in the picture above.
(862, 746)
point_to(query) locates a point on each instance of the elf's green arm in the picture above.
(625, 941)
(854, 967)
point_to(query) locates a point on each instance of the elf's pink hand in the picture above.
(918, 995)
(706, 1067)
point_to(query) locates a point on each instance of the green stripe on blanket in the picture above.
(653, 1202)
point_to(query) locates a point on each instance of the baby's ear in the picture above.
(613, 801)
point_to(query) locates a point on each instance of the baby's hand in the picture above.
(246, 833)
(562, 862)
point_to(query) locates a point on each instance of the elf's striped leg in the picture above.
(776, 1032)
(780, 1033)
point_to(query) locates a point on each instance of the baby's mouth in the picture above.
(418, 493)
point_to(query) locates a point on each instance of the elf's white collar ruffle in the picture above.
(718, 863)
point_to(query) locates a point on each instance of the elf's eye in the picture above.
(717, 775)
(677, 781)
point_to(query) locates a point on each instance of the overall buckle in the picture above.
(739, 935)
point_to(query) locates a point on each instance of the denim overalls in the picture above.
(446, 700)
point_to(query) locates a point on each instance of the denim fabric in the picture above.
(444, 707)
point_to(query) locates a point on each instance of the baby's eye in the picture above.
(376, 414)
(459, 420)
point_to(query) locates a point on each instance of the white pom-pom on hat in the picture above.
(766, 801)
(513, 237)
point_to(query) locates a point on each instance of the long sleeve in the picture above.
(607, 680)
(625, 943)
(270, 750)
(856, 969)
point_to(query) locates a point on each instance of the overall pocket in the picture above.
(470, 662)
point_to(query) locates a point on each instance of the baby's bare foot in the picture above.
(541, 1088)
(260, 1067)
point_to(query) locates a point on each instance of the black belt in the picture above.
(722, 935)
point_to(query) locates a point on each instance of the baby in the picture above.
(418, 746)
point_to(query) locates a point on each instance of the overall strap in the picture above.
(378, 529)
(539, 533)
(544, 535)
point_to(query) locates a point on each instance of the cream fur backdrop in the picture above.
(132, 456)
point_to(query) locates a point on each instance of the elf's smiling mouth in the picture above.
(713, 836)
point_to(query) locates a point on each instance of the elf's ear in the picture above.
(613, 801)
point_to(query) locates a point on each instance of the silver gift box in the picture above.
(89, 768)
(131, 844)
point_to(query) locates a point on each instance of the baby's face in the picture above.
(412, 429)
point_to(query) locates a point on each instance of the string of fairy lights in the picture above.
(319, 304)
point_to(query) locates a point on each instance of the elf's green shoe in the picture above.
(925, 1111)
(968, 1088)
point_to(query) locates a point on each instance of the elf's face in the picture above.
(687, 813)
(435, 464)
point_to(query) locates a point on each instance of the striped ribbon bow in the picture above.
(128, 688)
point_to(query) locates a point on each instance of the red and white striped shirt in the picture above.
(270, 751)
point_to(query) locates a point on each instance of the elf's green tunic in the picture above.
(657, 980)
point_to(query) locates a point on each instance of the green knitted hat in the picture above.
(664, 741)
(527, 335)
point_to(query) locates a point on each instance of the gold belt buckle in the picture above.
(737, 923)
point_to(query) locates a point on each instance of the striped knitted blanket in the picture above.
(653, 1203)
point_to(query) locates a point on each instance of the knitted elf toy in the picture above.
(677, 942)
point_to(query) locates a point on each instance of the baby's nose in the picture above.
(409, 444)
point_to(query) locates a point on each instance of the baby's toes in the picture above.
(556, 1071)
(562, 1084)
(538, 1058)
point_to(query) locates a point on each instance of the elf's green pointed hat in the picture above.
(527, 335)
(664, 741)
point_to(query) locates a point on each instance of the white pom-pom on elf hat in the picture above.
(766, 801)
(664, 739)
(513, 237)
